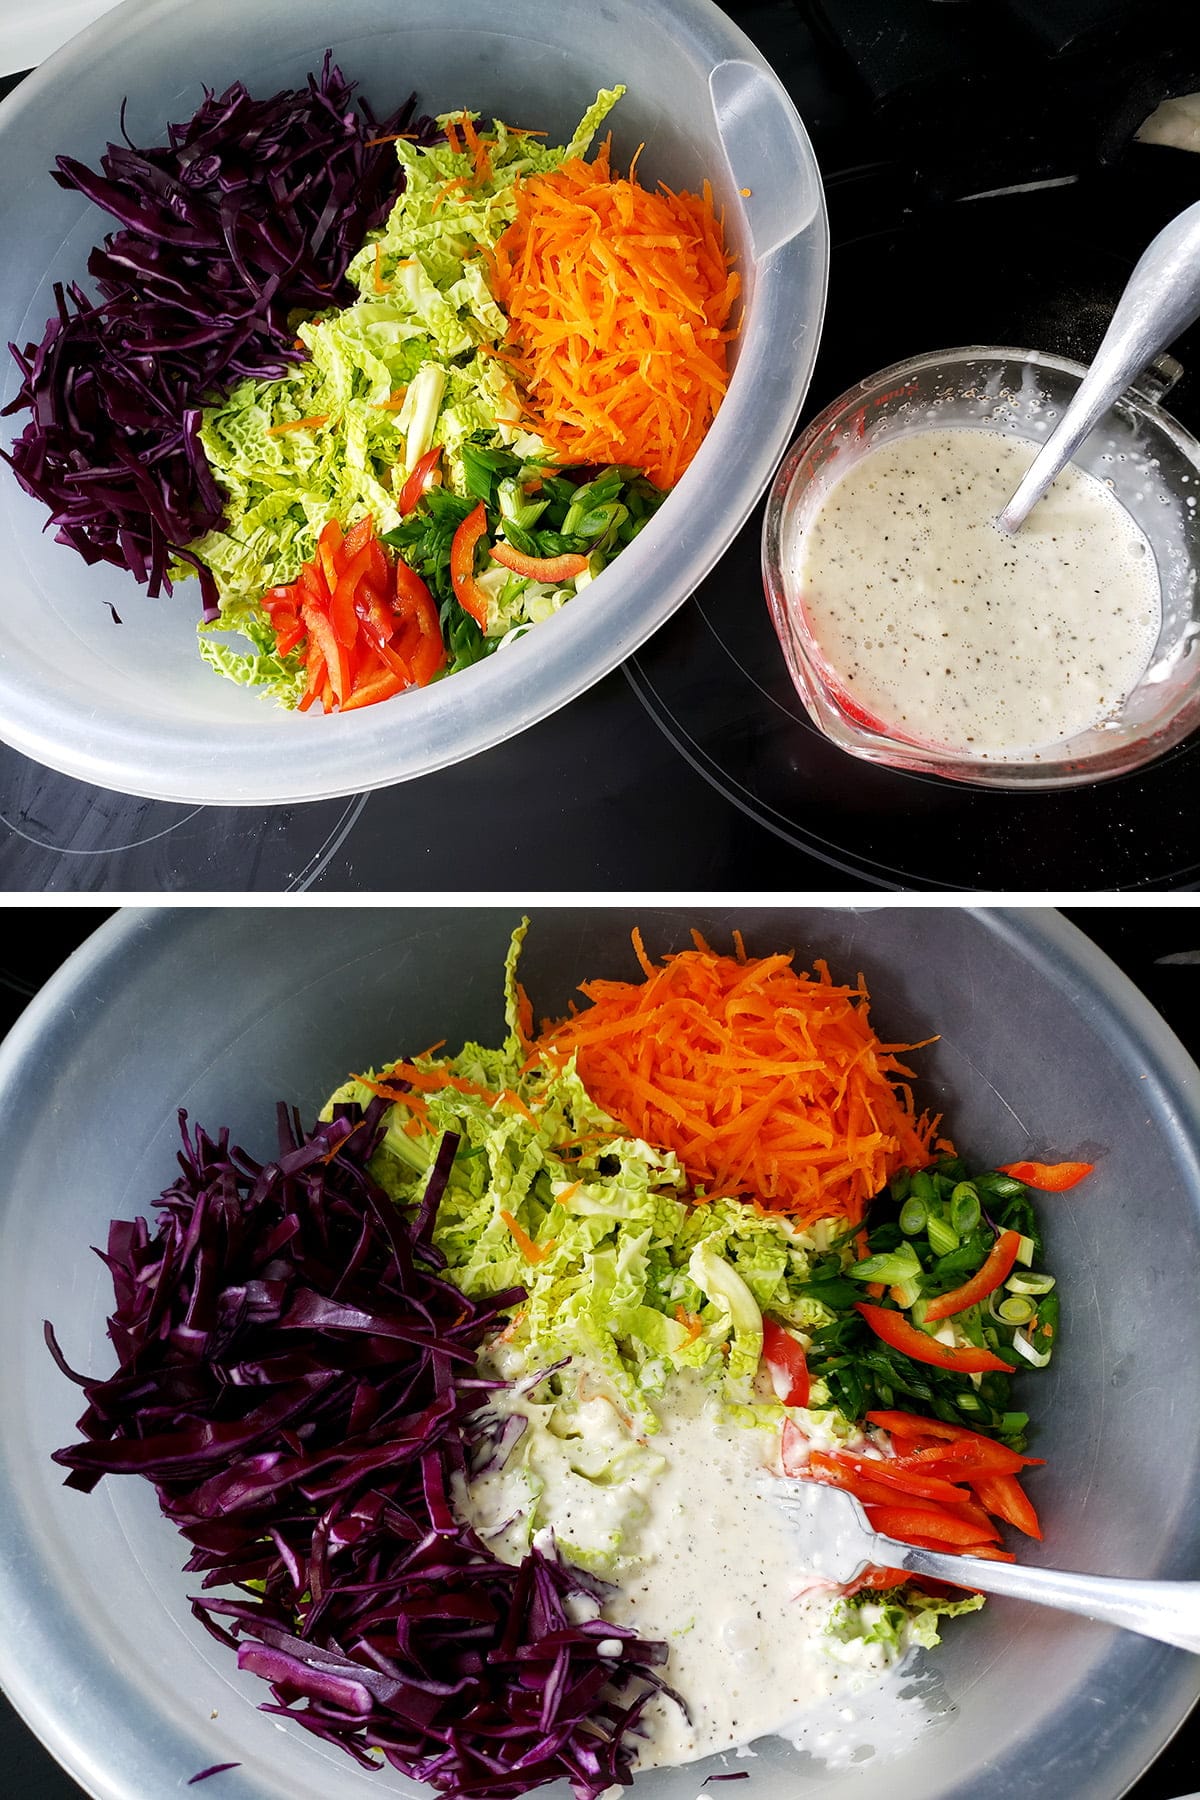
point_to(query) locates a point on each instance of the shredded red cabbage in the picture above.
(249, 214)
(300, 1384)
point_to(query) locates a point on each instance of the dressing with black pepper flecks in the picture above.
(949, 631)
(697, 1552)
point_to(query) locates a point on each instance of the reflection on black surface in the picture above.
(58, 833)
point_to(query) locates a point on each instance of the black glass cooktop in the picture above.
(1040, 269)
(695, 767)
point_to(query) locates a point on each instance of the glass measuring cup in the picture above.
(1150, 463)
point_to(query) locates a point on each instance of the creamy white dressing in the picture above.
(700, 1556)
(946, 630)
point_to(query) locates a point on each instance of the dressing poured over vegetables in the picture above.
(683, 1525)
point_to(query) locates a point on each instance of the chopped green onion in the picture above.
(913, 1215)
(922, 1186)
(1025, 1248)
(1023, 1347)
(1030, 1283)
(942, 1236)
(893, 1267)
(1042, 1332)
(968, 1402)
(1018, 1309)
(1012, 1423)
(899, 1186)
(964, 1208)
(907, 1293)
(516, 506)
(1004, 1187)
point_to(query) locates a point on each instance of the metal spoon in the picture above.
(841, 1543)
(1161, 299)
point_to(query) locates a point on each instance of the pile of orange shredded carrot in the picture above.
(618, 301)
(768, 1084)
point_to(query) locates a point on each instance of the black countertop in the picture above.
(694, 767)
(1157, 947)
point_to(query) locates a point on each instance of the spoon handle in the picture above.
(1161, 299)
(1166, 1610)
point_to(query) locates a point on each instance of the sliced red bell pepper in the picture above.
(990, 1552)
(1050, 1178)
(971, 1513)
(985, 1281)
(827, 1470)
(353, 570)
(333, 652)
(912, 1425)
(369, 629)
(378, 619)
(329, 545)
(282, 607)
(422, 477)
(931, 1524)
(311, 585)
(381, 568)
(316, 679)
(896, 1331)
(356, 539)
(539, 568)
(1004, 1496)
(962, 1461)
(467, 591)
(875, 1576)
(420, 636)
(883, 1471)
(380, 686)
(793, 1449)
(290, 633)
(786, 1364)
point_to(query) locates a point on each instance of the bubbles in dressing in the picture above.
(684, 1526)
(946, 630)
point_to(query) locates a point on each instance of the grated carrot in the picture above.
(618, 300)
(309, 424)
(426, 1081)
(533, 1253)
(478, 149)
(768, 1084)
(691, 1322)
(448, 188)
(518, 1105)
(511, 1329)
